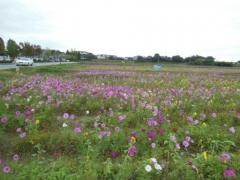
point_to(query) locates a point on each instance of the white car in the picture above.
(23, 61)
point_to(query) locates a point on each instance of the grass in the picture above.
(81, 122)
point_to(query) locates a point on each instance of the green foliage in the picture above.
(53, 151)
(30, 50)
(2, 47)
(12, 48)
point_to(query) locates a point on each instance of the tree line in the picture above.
(74, 55)
(192, 60)
(27, 49)
(13, 49)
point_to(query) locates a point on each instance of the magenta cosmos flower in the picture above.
(132, 151)
(6, 169)
(230, 172)
(114, 154)
(151, 135)
(161, 131)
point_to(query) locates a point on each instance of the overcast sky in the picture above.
(127, 27)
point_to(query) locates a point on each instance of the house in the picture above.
(102, 56)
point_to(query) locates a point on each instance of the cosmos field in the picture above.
(120, 121)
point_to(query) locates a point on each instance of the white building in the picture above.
(102, 56)
(5, 59)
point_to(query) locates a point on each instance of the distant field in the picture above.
(119, 121)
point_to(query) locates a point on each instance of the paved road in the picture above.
(13, 66)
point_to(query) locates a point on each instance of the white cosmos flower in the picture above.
(148, 168)
(154, 160)
(64, 125)
(87, 112)
(153, 145)
(158, 166)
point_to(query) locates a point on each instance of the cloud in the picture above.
(127, 27)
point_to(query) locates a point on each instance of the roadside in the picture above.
(13, 66)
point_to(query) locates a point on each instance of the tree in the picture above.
(2, 47)
(12, 48)
(37, 50)
(26, 49)
(156, 57)
(30, 50)
(177, 59)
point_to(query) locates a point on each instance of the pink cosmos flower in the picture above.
(214, 115)
(77, 130)
(173, 138)
(65, 115)
(232, 130)
(190, 119)
(121, 118)
(110, 93)
(103, 134)
(203, 116)
(185, 143)
(114, 154)
(155, 111)
(6, 169)
(238, 115)
(111, 112)
(178, 146)
(117, 129)
(58, 103)
(230, 172)
(72, 117)
(152, 122)
(132, 151)
(49, 99)
(4, 120)
(188, 138)
(161, 131)
(17, 113)
(103, 125)
(23, 135)
(161, 118)
(18, 130)
(16, 157)
(225, 157)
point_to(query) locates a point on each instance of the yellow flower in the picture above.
(133, 139)
(194, 114)
(205, 155)
(86, 134)
(204, 124)
(37, 122)
(7, 105)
